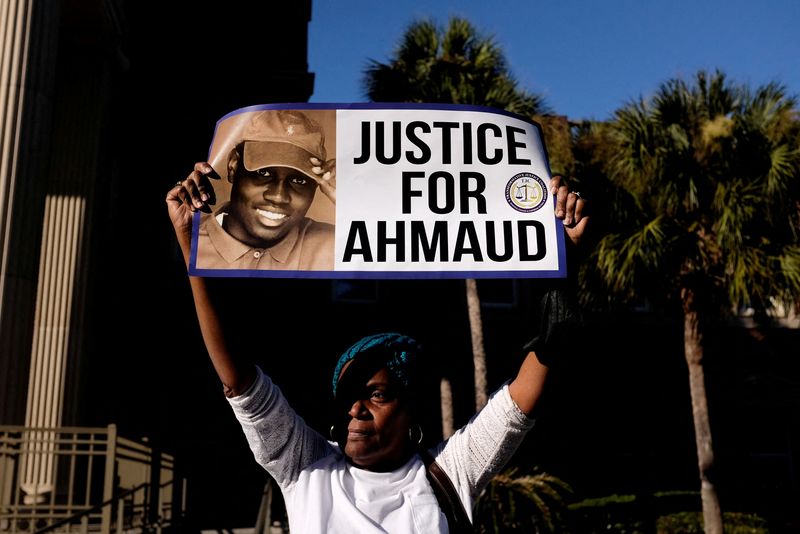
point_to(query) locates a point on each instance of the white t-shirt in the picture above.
(336, 497)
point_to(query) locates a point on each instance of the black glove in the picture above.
(560, 325)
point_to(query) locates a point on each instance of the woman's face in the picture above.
(377, 425)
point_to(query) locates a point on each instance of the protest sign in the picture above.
(378, 191)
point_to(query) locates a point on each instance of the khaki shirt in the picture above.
(309, 246)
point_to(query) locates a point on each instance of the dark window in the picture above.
(360, 291)
(500, 293)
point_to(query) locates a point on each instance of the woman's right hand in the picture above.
(195, 193)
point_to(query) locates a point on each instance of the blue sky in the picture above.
(586, 57)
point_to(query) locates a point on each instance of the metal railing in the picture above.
(72, 479)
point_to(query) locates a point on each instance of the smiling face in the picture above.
(377, 424)
(267, 203)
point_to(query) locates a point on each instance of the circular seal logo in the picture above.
(526, 192)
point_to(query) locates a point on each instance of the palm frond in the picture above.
(673, 104)
(521, 503)
(735, 205)
(622, 258)
(789, 266)
(634, 133)
(419, 42)
(714, 95)
(747, 269)
(783, 172)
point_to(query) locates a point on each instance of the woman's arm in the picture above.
(527, 387)
(559, 313)
(195, 193)
(280, 440)
(481, 448)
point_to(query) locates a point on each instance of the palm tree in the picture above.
(706, 177)
(456, 65)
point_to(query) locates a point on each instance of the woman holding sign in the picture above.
(373, 476)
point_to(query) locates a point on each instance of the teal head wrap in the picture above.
(396, 351)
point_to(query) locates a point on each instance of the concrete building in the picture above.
(103, 105)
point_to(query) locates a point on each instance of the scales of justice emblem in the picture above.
(526, 192)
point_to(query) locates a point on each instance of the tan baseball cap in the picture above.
(283, 138)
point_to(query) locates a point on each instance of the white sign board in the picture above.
(379, 191)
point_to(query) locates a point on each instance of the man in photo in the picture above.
(274, 171)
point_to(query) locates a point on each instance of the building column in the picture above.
(76, 173)
(28, 45)
(61, 245)
(56, 64)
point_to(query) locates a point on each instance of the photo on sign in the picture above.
(276, 194)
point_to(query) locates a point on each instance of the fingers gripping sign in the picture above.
(195, 193)
(325, 175)
(570, 208)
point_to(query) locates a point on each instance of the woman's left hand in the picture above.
(570, 208)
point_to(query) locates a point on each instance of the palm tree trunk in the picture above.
(446, 399)
(478, 353)
(693, 351)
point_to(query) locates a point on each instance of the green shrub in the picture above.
(680, 523)
(633, 514)
(620, 514)
(692, 523)
(603, 502)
